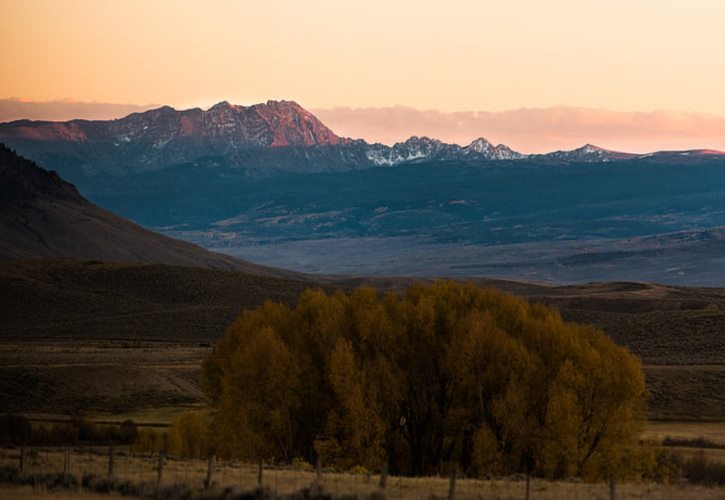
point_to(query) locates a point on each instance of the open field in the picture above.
(714, 431)
(79, 377)
(686, 392)
(138, 379)
(143, 469)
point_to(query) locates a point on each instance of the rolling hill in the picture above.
(43, 216)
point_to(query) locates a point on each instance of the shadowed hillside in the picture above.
(43, 216)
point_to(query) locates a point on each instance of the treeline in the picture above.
(446, 375)
(189, 436)
(18, 430)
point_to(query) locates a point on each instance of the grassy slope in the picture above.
(94, 300)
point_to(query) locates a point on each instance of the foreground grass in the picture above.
(29, 492)
(143, 469)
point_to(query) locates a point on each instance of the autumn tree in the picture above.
(446, 373)
(188, 436)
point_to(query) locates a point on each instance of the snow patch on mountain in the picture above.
(417, 149)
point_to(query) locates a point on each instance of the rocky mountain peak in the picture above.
(222, 106)
(588, 153)
(591, 148)
(480, 145)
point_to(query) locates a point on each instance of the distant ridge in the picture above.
(276, 136)
(589, 153)
(41, 215)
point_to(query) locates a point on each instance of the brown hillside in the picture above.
(43, 216)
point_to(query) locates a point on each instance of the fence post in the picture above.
(260, 469)
(383, 475)
(22, 458)
(452, 486)
(528, 486)
(66, 460)
(110, 461)
(160, 470)
(209, 471)
(612, 490)
(319, 473)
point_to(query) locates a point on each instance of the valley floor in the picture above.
(678, 259)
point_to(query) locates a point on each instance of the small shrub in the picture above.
(87, 431)
(9, 474)
(700, 470)
(173, 492)
(358, 469)
(668, 466)
(128, 432)
(62, 434)
(301, 464)
(98, 484)
(15, 429)
(55, 481)
(150, 441)
(699, 442)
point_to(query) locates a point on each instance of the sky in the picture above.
(615, 58)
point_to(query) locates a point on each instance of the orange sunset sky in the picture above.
(538, 74)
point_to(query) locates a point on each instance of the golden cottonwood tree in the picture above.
(188, 436)
(446, 373)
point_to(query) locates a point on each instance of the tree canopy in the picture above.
(445, 374)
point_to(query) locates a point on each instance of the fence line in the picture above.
(122, 464)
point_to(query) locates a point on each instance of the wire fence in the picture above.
(121, 463)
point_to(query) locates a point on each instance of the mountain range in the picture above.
(260, 139)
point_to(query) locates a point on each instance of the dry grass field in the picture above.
(143, 469)
(75, 377)
(713, 431)
(689, 392)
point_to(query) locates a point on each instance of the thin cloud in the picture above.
(535, 130)
(18, 109)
